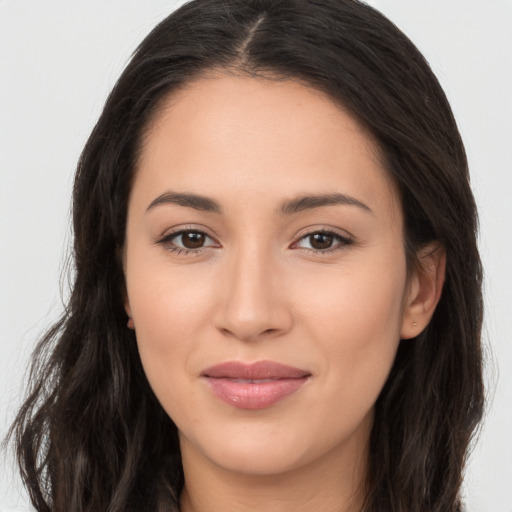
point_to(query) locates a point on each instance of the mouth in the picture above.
(254, 386)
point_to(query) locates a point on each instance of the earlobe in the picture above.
(122, 257)
(130, 324)
(426, 286)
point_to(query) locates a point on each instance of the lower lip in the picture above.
(243, 395)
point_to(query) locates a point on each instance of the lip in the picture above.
(254, 386)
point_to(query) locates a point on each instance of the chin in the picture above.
(266, 448)
(257, 448)
(269, 459)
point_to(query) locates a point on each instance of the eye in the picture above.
(323, 242)
(187, 241)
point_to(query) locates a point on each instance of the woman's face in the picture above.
(265, 273)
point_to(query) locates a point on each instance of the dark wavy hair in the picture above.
(91, 436)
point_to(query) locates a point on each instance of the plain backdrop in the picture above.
(58, 61)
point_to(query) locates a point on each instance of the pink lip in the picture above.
(254, 386)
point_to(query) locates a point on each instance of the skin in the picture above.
(260, 289)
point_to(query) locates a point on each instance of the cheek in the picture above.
(167, 303)
(169, 308)
(355, 324)
(361, 298)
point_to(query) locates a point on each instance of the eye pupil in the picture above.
(193, 240)
(321, 241)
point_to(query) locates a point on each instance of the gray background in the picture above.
(59, 59)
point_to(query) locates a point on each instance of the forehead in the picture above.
(224, 134)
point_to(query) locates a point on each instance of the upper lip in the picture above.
(258, 370)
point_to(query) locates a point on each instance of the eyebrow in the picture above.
(307, 202)
(194, 201)
(290, 207)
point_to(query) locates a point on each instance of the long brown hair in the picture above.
(91, 435)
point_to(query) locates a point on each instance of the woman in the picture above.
(277, 301)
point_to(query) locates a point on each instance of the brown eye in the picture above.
(193, 240)
(187, 240)
(321, 241)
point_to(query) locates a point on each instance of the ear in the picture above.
(130, 324)
(425, 287)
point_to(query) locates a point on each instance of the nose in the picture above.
(252, 301)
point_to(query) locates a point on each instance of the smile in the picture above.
(254, 386)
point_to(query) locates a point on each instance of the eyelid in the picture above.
(173, 230)
(323, 228)
(344, 239)
(166, 239)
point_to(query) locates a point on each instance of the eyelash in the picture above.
(167, 240)
(342, 242)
